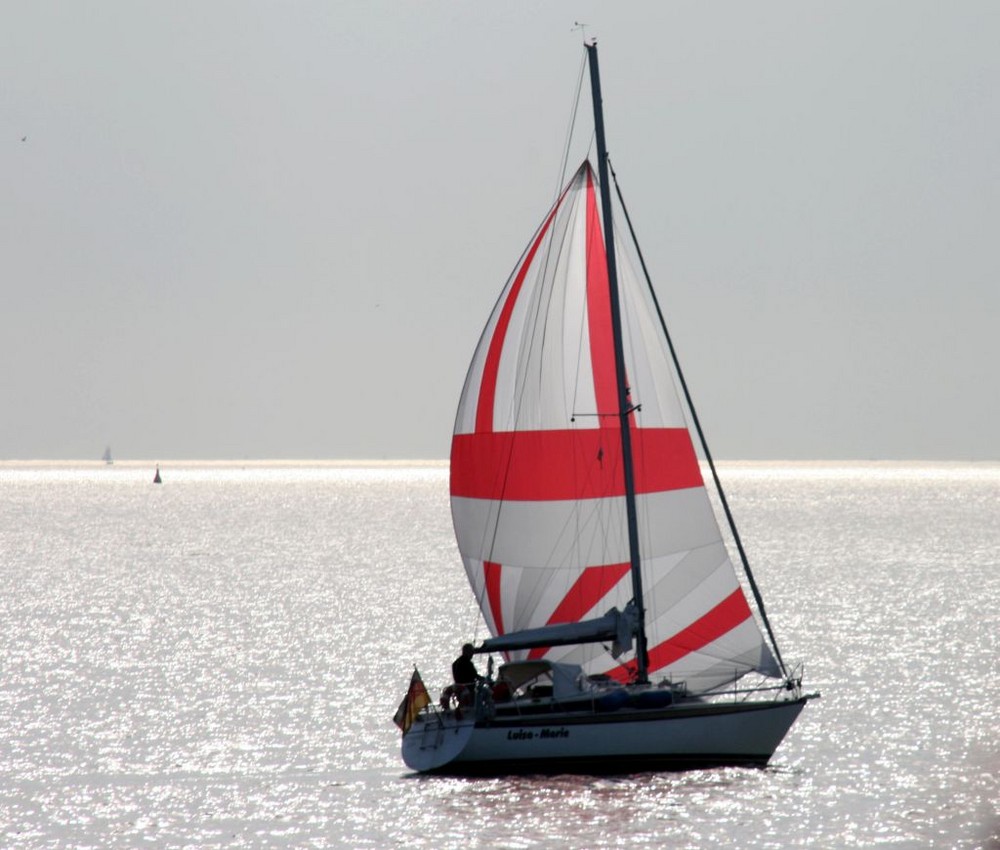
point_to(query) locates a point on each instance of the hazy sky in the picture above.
(275, 230)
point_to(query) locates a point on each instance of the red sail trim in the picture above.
(590, 587)
(491, 572)
(602, 346)
(723, 618)
(491, 368)
(583, 463)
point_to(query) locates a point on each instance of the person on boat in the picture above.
(463, 671)
(462, 691)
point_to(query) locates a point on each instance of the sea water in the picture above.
(214, 662)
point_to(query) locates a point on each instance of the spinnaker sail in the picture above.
(537, 482)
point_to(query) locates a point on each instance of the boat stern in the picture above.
(435, 740)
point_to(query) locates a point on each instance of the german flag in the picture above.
(416, 698)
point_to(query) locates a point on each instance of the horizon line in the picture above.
(444, 462)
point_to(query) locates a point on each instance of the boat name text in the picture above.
(528, 735)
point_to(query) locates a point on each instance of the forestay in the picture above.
(537, 483)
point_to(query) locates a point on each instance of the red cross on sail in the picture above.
(537, 483)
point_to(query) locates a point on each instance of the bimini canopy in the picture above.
(565, 678)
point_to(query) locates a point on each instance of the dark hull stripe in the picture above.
(627, 715)
(602, 766)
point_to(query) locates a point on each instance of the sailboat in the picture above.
(628, 641)
(106, 457)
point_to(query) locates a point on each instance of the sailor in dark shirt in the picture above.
(463, 671)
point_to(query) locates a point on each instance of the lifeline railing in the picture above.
(792, 683)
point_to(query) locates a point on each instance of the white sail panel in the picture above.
(593, 531)
(537, 469)
(724, 661)
(651, 374)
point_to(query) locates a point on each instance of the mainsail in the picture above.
(537, 483)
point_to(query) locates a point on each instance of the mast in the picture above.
(624, 405)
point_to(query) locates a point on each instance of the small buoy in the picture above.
(156, 478)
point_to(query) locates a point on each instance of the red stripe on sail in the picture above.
(590, 587)
(602, 347)
(491, 573)
(580, 463)
(723, 618)
(491, 368)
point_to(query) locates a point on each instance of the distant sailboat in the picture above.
(106, 457)
(156, 478)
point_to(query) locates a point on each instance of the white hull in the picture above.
(678, 737)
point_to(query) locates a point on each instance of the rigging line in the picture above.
(634, 339)
(582, 337)
(701, 434)
(565, 244)
(572, 125)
